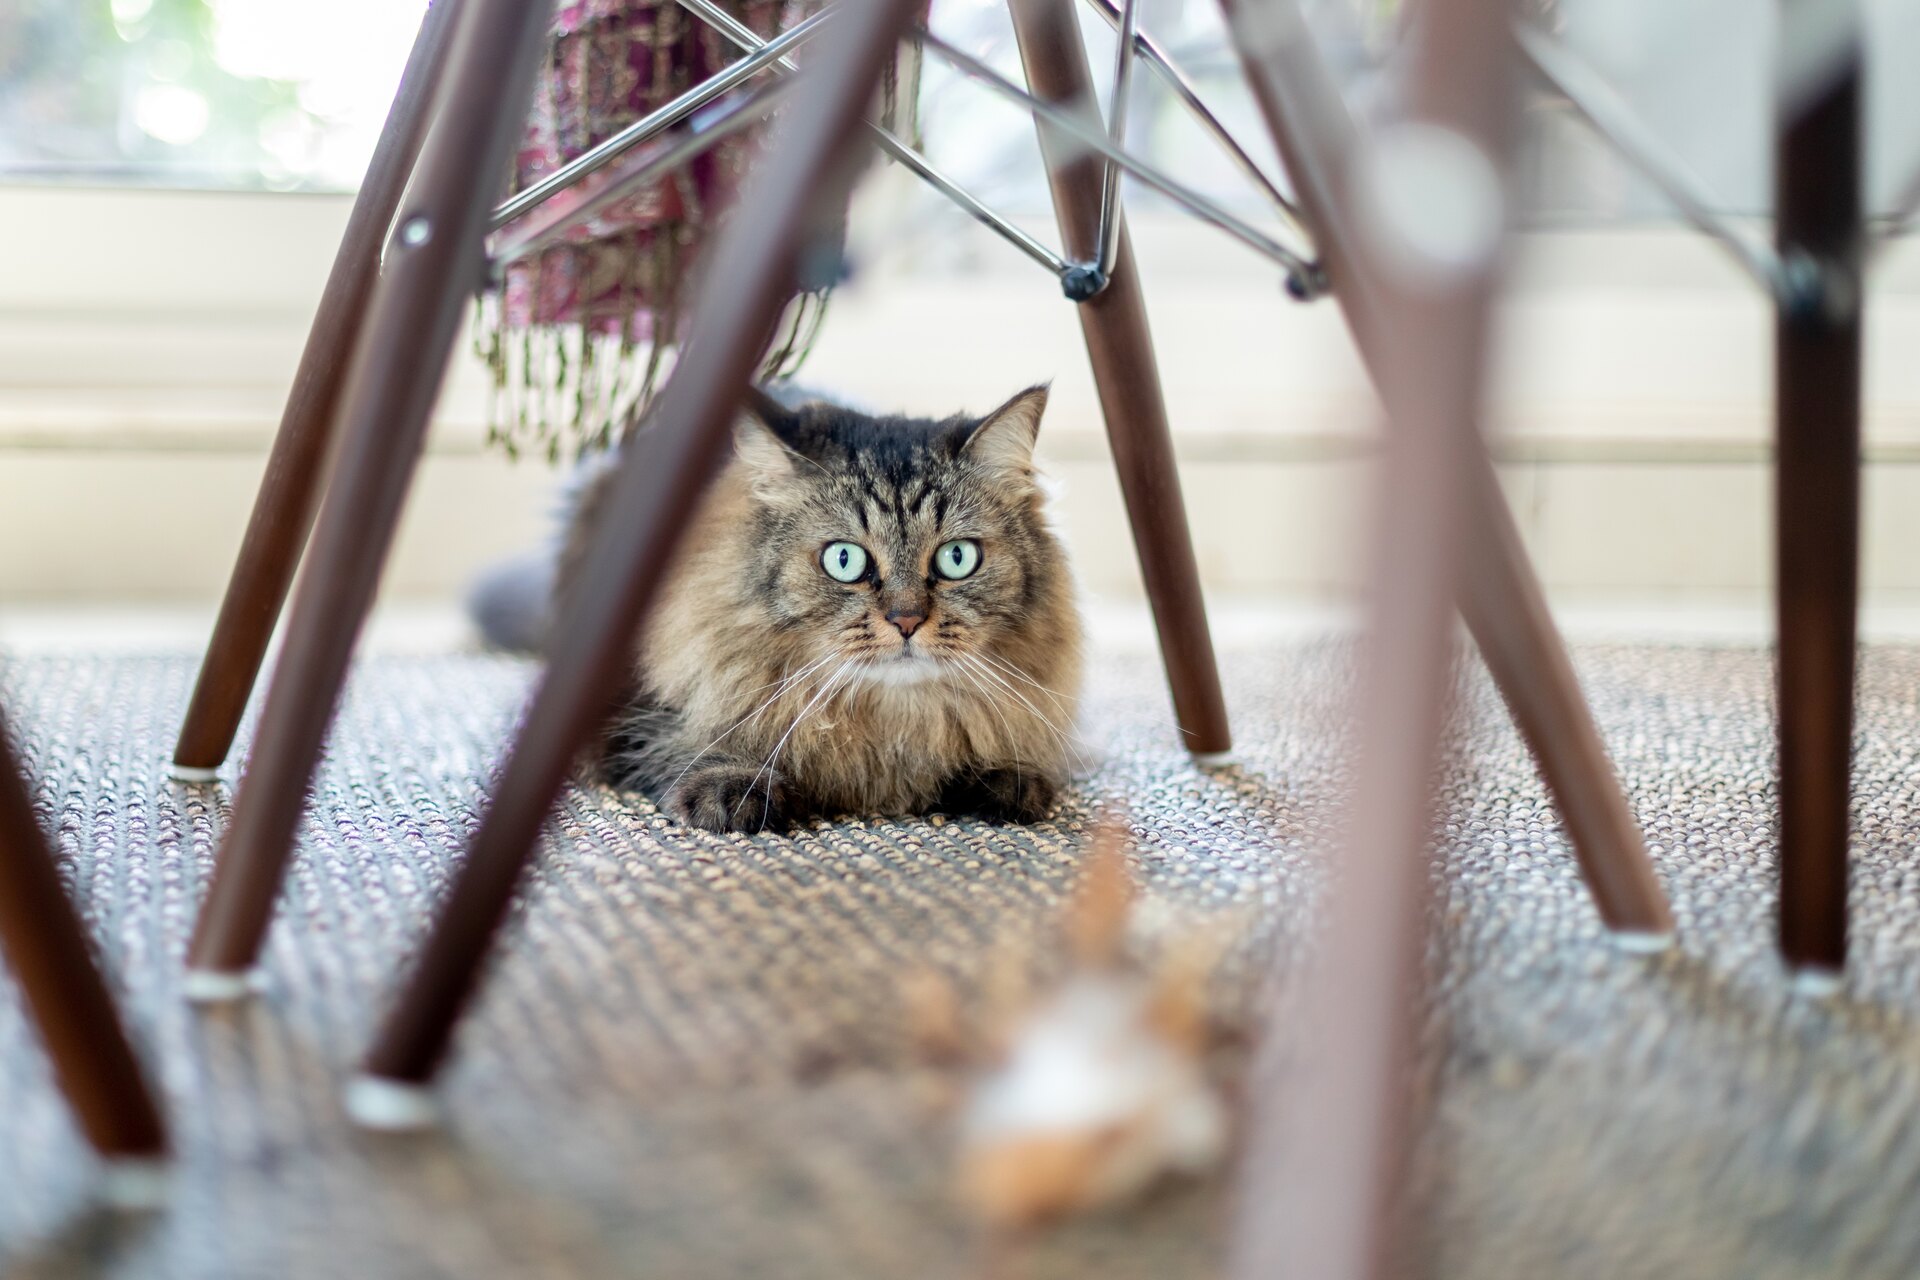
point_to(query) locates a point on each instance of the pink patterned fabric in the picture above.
(609, 63)
(577, 336)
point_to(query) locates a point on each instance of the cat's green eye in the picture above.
(957, 559)
(844, 561)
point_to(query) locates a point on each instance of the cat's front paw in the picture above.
(1001, 795)
(730, 797)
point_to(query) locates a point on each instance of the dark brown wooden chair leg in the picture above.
(1320, 1195)
(1114, 322)
(1817, 512)
(659, 483)
(1501, 597)
(283, 509)
(1508, 615)
(433, 259)
(46, 947)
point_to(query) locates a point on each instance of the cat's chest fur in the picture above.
(890, 749)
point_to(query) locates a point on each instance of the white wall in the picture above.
(146, 339)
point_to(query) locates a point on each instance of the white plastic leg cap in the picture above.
(1639, 942)
(219, 986)
(1814, 980)
(135, 1184)
(191, 773)
(390, 1106)
(1215, 759)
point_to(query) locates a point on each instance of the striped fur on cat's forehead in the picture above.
(895, 475)
(892, 452)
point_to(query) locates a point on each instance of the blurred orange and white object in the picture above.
(1100, 1088)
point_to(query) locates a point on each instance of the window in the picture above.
(248, 94)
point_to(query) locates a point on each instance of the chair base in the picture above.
(386, 1105)
(136, 1184)
(1640, 942)
(1215, 759)
(221, 986)
(192, 774)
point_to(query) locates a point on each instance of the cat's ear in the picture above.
(1004, 439)
(775, 416)
(759, 437)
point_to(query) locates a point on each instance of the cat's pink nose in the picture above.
(908, 623)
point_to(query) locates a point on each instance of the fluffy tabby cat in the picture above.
(868, 615)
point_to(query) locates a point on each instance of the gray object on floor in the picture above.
(692, 1058)
(509, 601)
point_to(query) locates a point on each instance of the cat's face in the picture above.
(902, 550)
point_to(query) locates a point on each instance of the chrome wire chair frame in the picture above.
(546, 224)
(1079, 280)
(660, 120)
(744, 37)
(1304, 278)
(1084, 280)
(761, 55)
(1123, 49)
(1177, 80)
(1614, 121)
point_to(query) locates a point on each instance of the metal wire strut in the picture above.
(1183, 89)
(1080, 281)
(1304, 278)
(1123, 49)
(691, 139)
(750, 41)
(1615, 122)
(659, 120)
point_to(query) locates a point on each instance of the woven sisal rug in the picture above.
(693, 1056)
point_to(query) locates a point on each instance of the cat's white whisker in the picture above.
(833, 681)
(1008, 668)
(790, 677)
(986, 695)
(1064, 703)
(786, 684)
(1039, 715)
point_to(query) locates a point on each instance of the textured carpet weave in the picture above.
(693, 1057)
